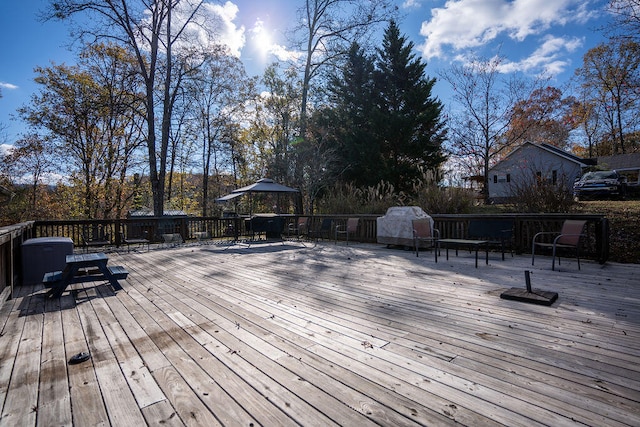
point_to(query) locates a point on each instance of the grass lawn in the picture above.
(624, 220)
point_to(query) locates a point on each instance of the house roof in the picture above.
(620, 161)
(566, 154)
(553, 150)
(149, 213)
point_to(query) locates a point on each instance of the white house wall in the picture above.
(523, 164)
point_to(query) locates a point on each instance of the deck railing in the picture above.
(11, 238)
(450, 226)
(596, 245)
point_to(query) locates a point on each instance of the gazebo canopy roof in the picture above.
(265, 185)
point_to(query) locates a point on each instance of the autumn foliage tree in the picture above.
(545, 117)
(26, 167)
(214, 99)
(155, 33)
(90, 115)
(610, 75)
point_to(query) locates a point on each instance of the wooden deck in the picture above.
(325, 334)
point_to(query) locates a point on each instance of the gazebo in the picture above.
(264, 185)
(271, 224)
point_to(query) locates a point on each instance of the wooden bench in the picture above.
(134, 241)
(117, 272)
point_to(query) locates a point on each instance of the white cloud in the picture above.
(411, 4)
(8, 86)
(5, 149)
(465, 24)
(213, 25)
(284, 54)
(216, 24)
(546, 57)
(261, 40)
(229, 33)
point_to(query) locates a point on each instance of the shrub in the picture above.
(536, 195)
(349, 199)
(425, 192)
(432, 198)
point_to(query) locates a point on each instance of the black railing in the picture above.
(111, 232)
(596, 245)
(191, 228)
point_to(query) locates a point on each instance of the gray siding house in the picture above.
(531, 162)
(626, 164)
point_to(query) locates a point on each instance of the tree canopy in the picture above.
(389, 126)
(151, 116)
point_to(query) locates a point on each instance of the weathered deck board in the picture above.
(55, 408)
(10, 335)
(22, 397)
(305, 334)
(87, 403)
(334, 337)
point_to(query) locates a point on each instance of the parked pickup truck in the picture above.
(600, 184)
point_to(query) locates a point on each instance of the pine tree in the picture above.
(407, 118)
(352, 92)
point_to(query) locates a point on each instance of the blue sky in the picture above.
(532, 35)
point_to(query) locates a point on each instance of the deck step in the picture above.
(118, 272)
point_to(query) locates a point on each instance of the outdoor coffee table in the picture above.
(464, 243)
(82, 268)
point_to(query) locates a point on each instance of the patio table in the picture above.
(82, 268)
(465, 243)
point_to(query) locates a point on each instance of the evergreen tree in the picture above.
(407, 120)
(350, 120)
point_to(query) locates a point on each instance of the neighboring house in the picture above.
(531, 162)
(627, 165)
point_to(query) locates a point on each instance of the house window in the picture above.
(508, 177)
(554, 177)
(495, 179)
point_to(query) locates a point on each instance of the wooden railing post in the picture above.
(602, 240)
(118, 229)
(184, 229)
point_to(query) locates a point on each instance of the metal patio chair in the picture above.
(569, 237)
